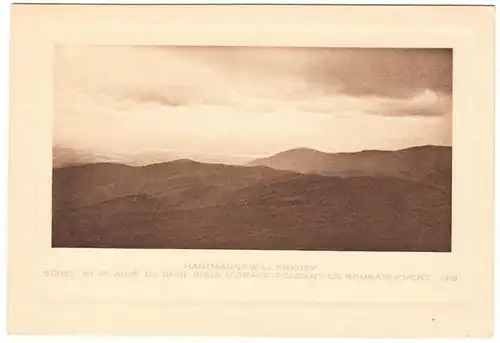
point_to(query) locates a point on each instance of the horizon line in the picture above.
(245, 164)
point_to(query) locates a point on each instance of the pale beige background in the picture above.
(39, 304)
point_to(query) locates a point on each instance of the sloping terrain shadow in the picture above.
(400, 205)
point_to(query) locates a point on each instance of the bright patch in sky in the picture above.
(235, 104)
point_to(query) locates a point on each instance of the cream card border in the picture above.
(437, 307)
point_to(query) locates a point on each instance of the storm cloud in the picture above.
(157, 93)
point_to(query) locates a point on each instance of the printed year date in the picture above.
(449, 278)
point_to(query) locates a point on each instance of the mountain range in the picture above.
(300, 199)
(426, 164)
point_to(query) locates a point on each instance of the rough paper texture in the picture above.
(63, 290)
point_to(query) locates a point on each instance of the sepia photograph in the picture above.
(181, 162)
(252, 148)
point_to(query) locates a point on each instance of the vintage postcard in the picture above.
(226, 170)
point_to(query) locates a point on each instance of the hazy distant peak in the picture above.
(300, 150)
(429, 147)
(183, 161)
(428, 164)
(305, 150)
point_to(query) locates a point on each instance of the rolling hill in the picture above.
(190, 205)
(431, 165)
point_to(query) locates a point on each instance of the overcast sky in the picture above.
(235, 104)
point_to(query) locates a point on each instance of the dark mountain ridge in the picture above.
(187, 204)
(429, 164)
